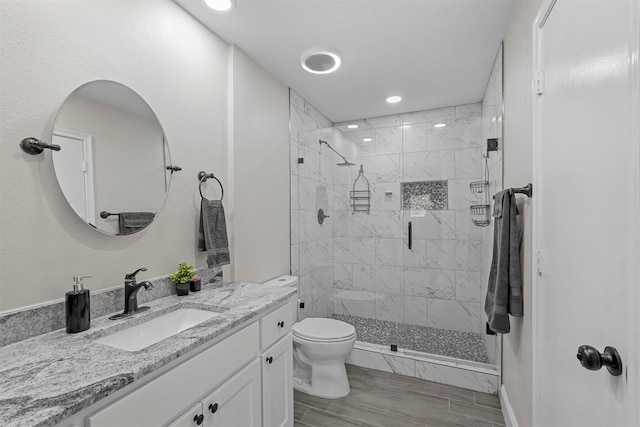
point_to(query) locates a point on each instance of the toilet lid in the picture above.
(320, 329)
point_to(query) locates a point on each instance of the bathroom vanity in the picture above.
(233, 369)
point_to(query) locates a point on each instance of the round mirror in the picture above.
(112, 166)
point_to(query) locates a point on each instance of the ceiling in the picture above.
(433, 53)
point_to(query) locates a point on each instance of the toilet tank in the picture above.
(287, 281)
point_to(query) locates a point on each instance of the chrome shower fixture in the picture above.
(345, 163)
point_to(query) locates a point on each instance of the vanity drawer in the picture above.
(275, 325)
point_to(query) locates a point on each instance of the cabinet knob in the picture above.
(198, 419)
(213, 408)
(281, 324)
(269, 359)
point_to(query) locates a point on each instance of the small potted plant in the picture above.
(182, 278)
(195, 283)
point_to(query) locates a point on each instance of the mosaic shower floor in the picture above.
(443, 342)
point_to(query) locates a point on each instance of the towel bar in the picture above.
(527, 190)
(203, 176)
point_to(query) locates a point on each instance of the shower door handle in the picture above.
(409, 234)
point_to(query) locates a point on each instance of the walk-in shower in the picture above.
(417, 307)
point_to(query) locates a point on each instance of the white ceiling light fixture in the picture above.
(367, 139)
(394, 99)
(352, 126)
(439, 125)
(221, 5)
(320, 61)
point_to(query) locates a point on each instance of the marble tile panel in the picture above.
(311, 166)
(388, 140)
(429, 282)
(468, 110)
(355, 303)
(376, 224)
(428, 166)
(454, 255)
(429, 115)
(468, 163)
(363, 277)
(384, 168)
(296, 100)
(341, 200)
(468, 379)
(293, 155)
(431, 224)
(314, 255)
(385, 196)
(390, 307)
(300, 121)
(465, 228)
(307, 193)
(414, 137)
(295, 260)
(343, 276)
(362, 124)
(386, 279)
(344, 175)
(460, 133)
(356, 147)
(326, 168)
(415, 310)
(424, 195)
(460, 195)
(382, 362)
(385, 121)
(389, 252)
(354, 250)
(417, 255)
(311, 230)
(324, 306)
(294, 193)
(295, 232)
(468, 286)
(342, 224)
(455, 315)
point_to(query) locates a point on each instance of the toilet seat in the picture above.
(323, 330)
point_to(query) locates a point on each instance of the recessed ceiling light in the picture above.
(352, 126)
(367, 139)
(318, 61)
(393, 99)
(221, 5)
(439, 125)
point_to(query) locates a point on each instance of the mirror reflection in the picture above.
(113, 158)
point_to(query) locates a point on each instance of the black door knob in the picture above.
(593, 360)
(269, 359)
(213, 408)
(198, 419)
(281, 324)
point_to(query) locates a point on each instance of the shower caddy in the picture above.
(361, 194)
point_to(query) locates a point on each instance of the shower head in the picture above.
(345, 163)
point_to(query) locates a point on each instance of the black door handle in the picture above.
(593, 360)
(409, 232)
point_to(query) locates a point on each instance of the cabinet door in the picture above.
(191, 418)
(277, 384)
(236, 403)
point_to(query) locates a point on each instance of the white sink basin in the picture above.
(155, 330)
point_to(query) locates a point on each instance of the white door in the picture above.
(277, 380)
(588, 215)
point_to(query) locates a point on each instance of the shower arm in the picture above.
(331, 148)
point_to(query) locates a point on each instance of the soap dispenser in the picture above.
(78, 307)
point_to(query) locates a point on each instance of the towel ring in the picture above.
(203, 176)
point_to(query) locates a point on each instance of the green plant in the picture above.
(184, 274)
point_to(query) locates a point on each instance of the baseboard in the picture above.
(507, 410)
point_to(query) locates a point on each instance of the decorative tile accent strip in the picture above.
(424, 195)
(22, 324)
(443, 342)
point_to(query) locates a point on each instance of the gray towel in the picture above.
(130, 222)
(212, 234)
(504, 295)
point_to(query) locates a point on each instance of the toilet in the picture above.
(320, 348)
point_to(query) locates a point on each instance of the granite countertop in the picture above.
(48, 378)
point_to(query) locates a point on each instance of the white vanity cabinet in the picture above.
(277, 368)
(236, 403)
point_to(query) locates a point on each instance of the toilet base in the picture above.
(327, 381)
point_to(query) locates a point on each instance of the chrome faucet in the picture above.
(131, 292)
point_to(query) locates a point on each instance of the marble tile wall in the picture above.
(491, 128)
(437, 282)
(311, 189)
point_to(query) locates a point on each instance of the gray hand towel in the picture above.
(130, 222)
(504, 294)
(212, 234)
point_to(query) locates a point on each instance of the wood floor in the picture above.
(383, 399)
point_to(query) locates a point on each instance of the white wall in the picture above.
(260, 159)
(518, 171)
(181, 69)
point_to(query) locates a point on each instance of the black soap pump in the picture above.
(78, 307)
